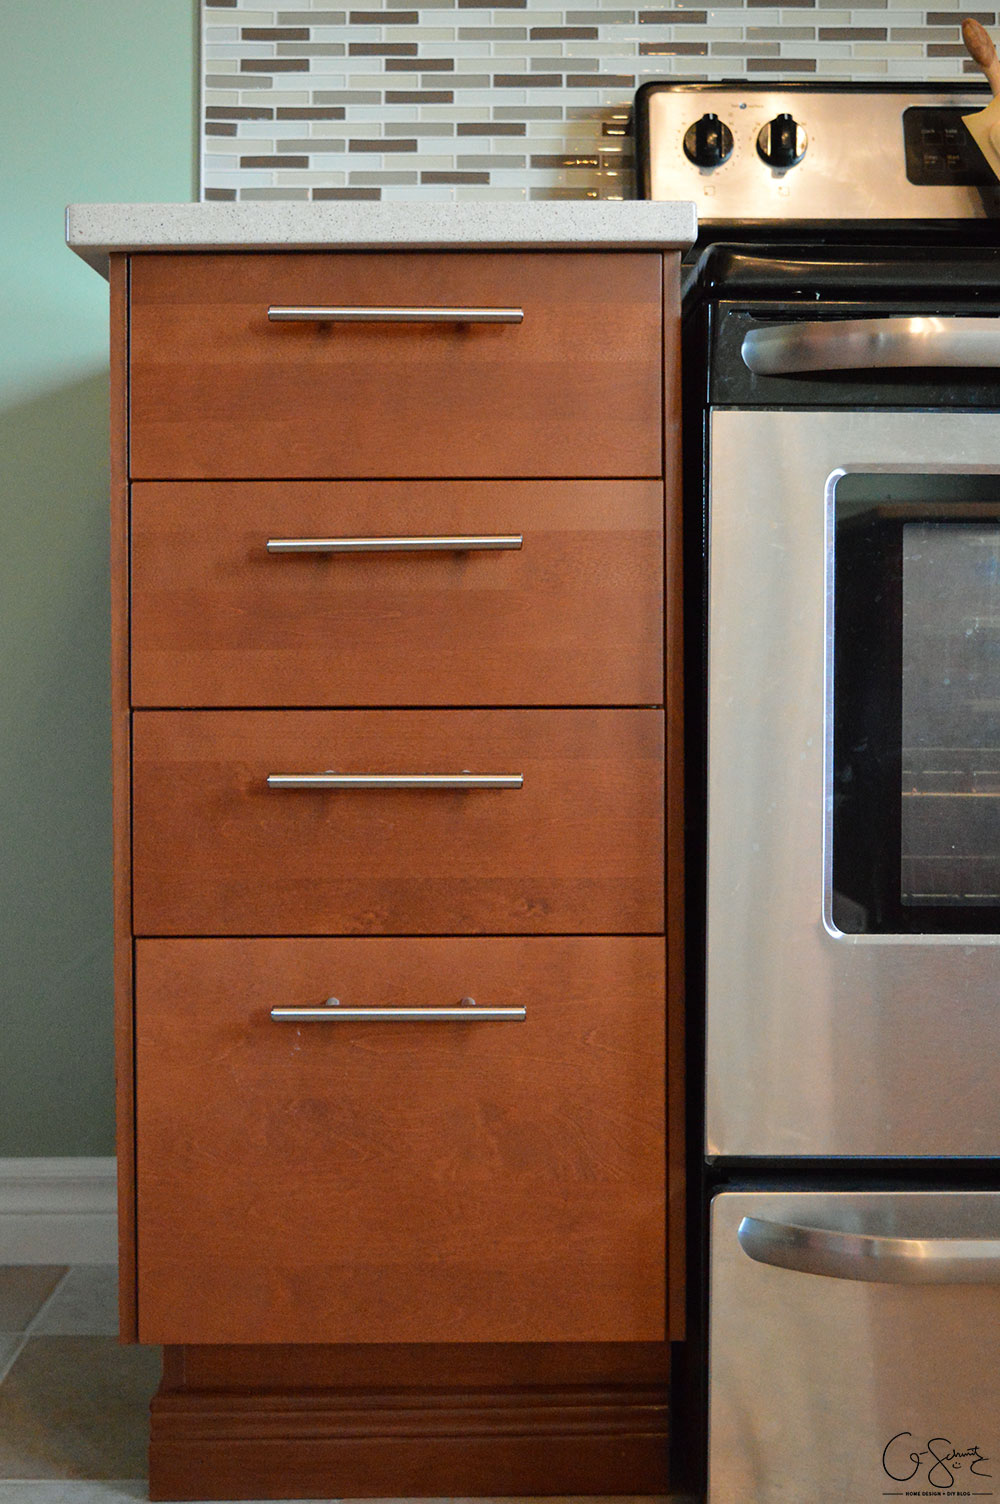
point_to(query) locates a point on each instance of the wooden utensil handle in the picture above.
(982, 51)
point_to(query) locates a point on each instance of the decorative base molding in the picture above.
(58, 1211)
(235, 1440)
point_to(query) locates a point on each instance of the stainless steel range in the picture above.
(842, 353)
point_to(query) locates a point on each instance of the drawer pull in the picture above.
(392, 781)
(466, 1013)
(455, 545)
(362, 315)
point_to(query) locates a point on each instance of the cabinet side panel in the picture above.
(121, 757)
(674, 832)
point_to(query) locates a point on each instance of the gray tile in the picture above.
(24, 1289)
(72, 1491)
(77, 1407)
(84, 1305)
(9, 1345)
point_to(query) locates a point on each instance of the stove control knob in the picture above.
(708, 143)
(782, 142)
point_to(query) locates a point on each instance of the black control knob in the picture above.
(708, 143)
(782, 142)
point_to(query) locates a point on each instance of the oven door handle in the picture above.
(876, 1260)
(870, 344)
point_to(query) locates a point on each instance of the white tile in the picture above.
(84, 1305)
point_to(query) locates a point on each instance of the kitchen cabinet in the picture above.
(389, 1255)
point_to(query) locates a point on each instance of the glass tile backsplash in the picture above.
(474, 99)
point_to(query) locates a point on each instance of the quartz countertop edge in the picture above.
(95, 231)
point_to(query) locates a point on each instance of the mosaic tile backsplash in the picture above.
(505, 99)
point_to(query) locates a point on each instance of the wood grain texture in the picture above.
(363, 1421)
(121, 800)
(675, 800)
(401, 1182)
(574, 617)
(219, 392)
(578, 849)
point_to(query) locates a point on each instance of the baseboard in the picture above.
(530, 1419)
(58, 1211)
(315, 1445)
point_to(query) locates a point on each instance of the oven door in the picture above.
(853, 966)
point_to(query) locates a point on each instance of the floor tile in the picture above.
(73, 1491)
(77, 1407)
(9, 1344)
(24, 1289)
(84, 1305)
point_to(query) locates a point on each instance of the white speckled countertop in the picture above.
(95, 230)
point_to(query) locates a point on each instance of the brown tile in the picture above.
(420, 65)
(852, 33)
(602, 80)
(382, 49)
(385, 18)
(220, 128)
(550, 160)
(275, 160)
(24, 1289)
(274, 33)
(219, 195)
(77, 1407)
(674, 49)
(349, 193)
(491, 128)
(380, 144)
(950, 17)
(454, 177)
(526, 80)
(419, 96)
(673, 17)
(311, 112)
(942, 49)
(564, 33)
(277, 65)
(239, 112)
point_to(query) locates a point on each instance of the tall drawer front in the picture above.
(573, 616)
(410, 1182)
(577, 849)
(219, 390)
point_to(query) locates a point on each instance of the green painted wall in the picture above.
(97, 104)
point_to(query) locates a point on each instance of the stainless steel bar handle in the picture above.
(467, 1012)
(457, 544)
(869, 344)
(368, 315)
(391, 781)
(875, 1260)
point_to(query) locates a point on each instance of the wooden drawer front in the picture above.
(394, 1181)
(577, 849)
(217, 390)
(574, 616)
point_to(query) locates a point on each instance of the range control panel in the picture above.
(940, 150)
(848, 152)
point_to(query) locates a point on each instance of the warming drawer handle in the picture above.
(467, 1012)
(457, 544)
(391, 781)
(869, 344)
(367, 315)
(876, 1260)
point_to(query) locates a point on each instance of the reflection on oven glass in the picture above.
(950, 837)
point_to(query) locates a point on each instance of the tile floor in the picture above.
(73, 1403)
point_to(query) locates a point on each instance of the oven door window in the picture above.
(916, 704)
